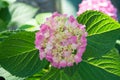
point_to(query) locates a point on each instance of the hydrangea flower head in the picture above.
(100, 5)
(61, 40)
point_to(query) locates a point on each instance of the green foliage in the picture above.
(117, 45)
(110, 62)
(26, 27)
(19, 56)
(5, 18)
(10, 1)
(15, 15)
(90, 72)
(7, 75)
(21, 13)
(6, 34)
(3, 4)
(38, 75)
(55, 74)
(97, 22)
(102, 30)
(17, 44)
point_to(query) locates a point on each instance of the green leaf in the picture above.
(19, 55)
(102, 30)
(5, 18)
(10, 1)
(21, 13)
(90, 72)
(3, 26)
(6, 34)
(26, 27)
(5, 74)
(100, 44)
(106, 67)
(110, 62)
(17, 44)
(38, 75)
(97, 22)
(41, 18)
(3, 4)
(70, 71)
(55, 74)
(5, 15)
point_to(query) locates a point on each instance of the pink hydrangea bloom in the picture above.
(61, 40)
(100, 5)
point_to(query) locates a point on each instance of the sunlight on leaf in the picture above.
(41, 18)
(7, 75)
(21, 13)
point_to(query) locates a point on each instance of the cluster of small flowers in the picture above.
(61, 40)
(100, 5)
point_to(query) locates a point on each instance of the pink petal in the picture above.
(42, 55)
(80, 51)
(66, 53)
(62, 63)
(72, 19)
(77, 59)
(55, 64)
(39, 39)
(44, 28)
(69, 64)
(49, 57)
(72, 39)
(55, 14)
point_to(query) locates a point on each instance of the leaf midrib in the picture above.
(100, 68)
(20, 53)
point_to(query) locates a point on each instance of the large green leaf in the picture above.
(19, 56)
(97, 22)
(106, 67)
(21, 13)
(103, 32)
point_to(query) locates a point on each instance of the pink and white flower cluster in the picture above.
(100, 5)
(61, 40)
